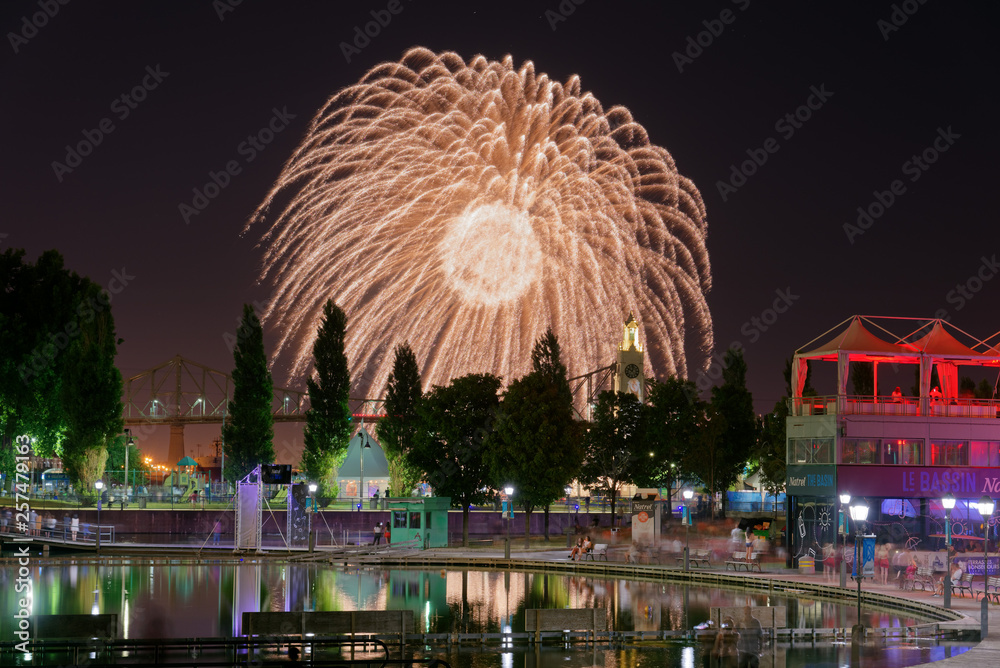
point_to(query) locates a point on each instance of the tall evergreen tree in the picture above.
(536, 446)
(328, 420)
(397, 430)
(615, 444)
(249, 431)
(454, 422)
(674, 416)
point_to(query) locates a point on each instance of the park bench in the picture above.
(923, 578)
(990, 590)
(739, 560)
(703, 559)
(964, 585)
(600, 551)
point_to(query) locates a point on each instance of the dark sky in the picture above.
(889, 93)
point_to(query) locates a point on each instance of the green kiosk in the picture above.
(422, 518)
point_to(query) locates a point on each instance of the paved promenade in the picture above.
(985, 654)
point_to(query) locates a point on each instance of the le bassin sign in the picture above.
(919, 481)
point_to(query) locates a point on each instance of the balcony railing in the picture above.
(888, 405)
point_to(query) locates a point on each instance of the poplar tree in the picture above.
(397, 430)
(249, 431)
(328, 420)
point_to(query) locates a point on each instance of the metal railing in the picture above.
(889, 405)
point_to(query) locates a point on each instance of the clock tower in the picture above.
(629, 377)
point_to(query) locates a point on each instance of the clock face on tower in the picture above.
(631, 371)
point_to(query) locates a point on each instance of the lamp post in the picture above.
(129, 442)
(312, 509)
(845, 499)
(99, 485)
(509, 491)
(986, 507)
(859, 514)
(948, 501)
(365, 445)
(687, 494)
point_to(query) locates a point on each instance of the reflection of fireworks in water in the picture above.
(465, 208)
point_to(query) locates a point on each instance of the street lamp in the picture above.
(312, 509)
(687, 494)
(365, 445)
(845, 498)
(99, 485)
(509, 491)
(129, 442)
(859, 514)
(948, 501)
(986, 507)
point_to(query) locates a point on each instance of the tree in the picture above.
(453, 424)
(536, 444)
(863, 378)
(58, 382)
(249, 431)
(673, 418)
(771, 448)
(614, 444)
(328, 420)
(398, 429)
(730, 431)
(91, 394)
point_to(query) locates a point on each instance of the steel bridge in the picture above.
(181, 392)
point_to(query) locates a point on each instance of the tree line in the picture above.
(471, 438)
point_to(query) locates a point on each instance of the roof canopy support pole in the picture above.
(926, 364)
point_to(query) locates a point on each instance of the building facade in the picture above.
(900, 451)
(630, 374)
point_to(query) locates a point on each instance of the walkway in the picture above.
(985, 654)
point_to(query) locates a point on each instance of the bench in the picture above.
(991, 590)
(964, 585)
(739, 560)
(600, 551)
(924, 578)
(703, 559)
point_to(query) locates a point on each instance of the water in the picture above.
(180, 599)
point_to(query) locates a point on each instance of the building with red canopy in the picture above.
(900, 451)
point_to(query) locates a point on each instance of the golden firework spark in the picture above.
(466, 207)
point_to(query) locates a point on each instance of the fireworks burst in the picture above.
(466, 207)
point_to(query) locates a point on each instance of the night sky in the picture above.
(881, 94)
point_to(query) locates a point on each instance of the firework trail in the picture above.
(466, 207)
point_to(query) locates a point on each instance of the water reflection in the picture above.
(198, 600)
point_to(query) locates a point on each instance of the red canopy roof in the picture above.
(861, 345)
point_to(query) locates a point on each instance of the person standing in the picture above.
(386, 534)
(749, 542)
(74, 527)
(216, 532)
(377, 534)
